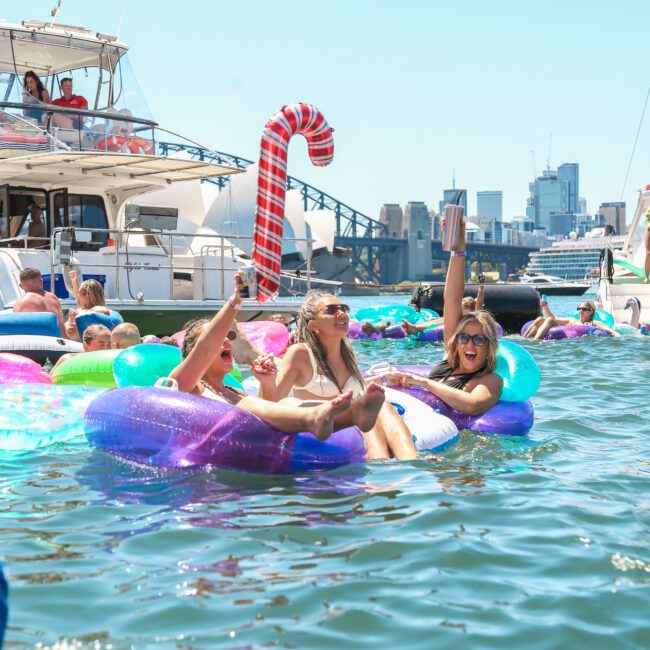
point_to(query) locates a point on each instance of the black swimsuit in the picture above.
(443, 373)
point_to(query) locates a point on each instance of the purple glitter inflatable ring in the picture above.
(569, 331)
(504, 418)
(166, 428)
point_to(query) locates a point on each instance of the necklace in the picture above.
(221, 393)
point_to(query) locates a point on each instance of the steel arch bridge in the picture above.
(373, 251)
(365, 236)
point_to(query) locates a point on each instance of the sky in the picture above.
(416, 91)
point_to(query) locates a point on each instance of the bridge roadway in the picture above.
(377, 253)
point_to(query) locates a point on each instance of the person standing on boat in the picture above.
(36, 299)
(68, 100)
(35, 94)
(646, 241)
(540, 327)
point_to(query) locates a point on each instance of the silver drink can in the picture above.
(248, 289)
(451, 232)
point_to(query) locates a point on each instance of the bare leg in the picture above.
(400, 440)
(545, 327)
(409, 328)
(285, 417)
(534, 326)
(646, 239)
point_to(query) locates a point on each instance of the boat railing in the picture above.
(36, 127)
(221, 256)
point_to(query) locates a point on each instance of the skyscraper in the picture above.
(454, 196)
(490, 204)
(551, 195)
(570, 172)
(613, 214)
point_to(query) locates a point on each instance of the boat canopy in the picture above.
(97, 64)
(103, 170)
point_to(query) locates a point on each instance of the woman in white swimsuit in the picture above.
(322, 365)
(207, 359)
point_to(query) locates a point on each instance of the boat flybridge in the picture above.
(622, 272)
(79, 169)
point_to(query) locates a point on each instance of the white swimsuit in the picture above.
(320, 386)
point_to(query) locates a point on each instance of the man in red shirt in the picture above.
(68, 100)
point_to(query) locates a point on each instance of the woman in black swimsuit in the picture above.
(465, 379)
(35, 93)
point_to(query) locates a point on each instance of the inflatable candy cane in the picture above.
(302, 119)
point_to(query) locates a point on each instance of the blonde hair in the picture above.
(94, 291)
(484, 319)
(469, 303)
(592, 305)
(308, 312)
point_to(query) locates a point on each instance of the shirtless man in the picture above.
(36, 299)
(36, 230)
(125, 335)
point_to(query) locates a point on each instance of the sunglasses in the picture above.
(477, 339)
(585, 309)
(332, 310)
(232, 335)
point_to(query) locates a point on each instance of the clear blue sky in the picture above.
(413, 89)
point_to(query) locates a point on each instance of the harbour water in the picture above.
(539, 542)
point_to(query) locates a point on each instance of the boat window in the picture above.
(16, 215)
(84, 211)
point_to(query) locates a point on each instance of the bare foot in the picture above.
(369, 329)
(409, 328)
(368, 407)
(644, 281)
(321, 421)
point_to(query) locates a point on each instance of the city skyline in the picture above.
(410, 111)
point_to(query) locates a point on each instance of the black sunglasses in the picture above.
(331, 310)
(477, 339)
(232, 335)
(585, 309)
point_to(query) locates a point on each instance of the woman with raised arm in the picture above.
(322, 365)
(465, 379)
(90, 297)
(207, 358)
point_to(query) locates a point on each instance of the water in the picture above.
(541, 542)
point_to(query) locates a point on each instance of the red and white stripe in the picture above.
(295, 119)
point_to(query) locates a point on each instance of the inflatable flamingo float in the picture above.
(295, 119)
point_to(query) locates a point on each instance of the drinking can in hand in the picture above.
(248, 288)
(451, 232)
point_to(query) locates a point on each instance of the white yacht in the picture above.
(552, 285)
(85, 169)
(621, 274)
(576, 259)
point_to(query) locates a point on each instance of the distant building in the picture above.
(435, 225)
(392, 216)
(582, 205)
(613, 214)
(561, 223)
(485, 225)
(417, 229)
(570, 173)
(455, 197)
(490, 204)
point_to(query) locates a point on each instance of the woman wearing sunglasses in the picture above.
(540, 327)
(208, 358)
(322, 365)
(465, 379)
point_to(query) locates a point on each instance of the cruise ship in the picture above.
(574, 259)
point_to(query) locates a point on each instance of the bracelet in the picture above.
(458, 254)
(233, 304)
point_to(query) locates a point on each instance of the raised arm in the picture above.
(188, 374)
(480, 294)
(454, 288)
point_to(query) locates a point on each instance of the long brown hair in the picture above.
(40, 89)
(308, 312)
(489, 331)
